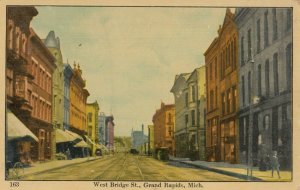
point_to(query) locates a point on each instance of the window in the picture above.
(275, 74)
(210, 70)
(259, 80)
(170, 118)
(186, 99)
(10, 37)
(234, 97)
(186, 119)
(221, 69)
(266, 122)
(288, 53)
(193, 117)
(223, 103)
(242, 51)
(228, 100)
(249, 44)
(211, 99)
(258, 36)
(243, 90)
(275, 33)
(249, 87)
(90, 115)
(267, 79)
(289, 18)
(266, 30)
(231, 50)
(216, 68)
(193, 94)
(234, 53)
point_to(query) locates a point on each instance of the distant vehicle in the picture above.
(98, 152)
(134, 151)
(162, 153)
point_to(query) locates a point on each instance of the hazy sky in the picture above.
(130, 56)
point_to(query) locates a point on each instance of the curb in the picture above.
(54, 168)
(233, 174)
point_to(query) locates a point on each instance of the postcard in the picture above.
(149, 95)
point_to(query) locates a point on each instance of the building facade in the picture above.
(67, 76)
(19, 77)
(265, 75)
(163, 122)
(92, 110)
(53, 44)
(138, 139)
(150, 139)
(78, 97)
(109, 132)
(101, 128)
(181, 132)
(197, 112)
(40, 122)
(222, 132)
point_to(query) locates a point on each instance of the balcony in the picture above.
(19, 63)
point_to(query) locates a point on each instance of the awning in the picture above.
(82, 144)
(90, 140)
(63, 136)
(74, 134)
(17, 130)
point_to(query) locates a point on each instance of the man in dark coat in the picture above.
(275, 164)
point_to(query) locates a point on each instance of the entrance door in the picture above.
(41, 144)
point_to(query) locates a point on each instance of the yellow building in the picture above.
(92, 111)
(78, 97)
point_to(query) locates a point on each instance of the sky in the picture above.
(129, 56)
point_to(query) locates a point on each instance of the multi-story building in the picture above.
(101, 128)
(53, 44)
(78, 97)
(164, 121)
(150, 139)
(265, 75)
(40, 122)
(92, 110)
(19, 77)
(109, 132)
(197, 112)
(138, 139)
(181, 132)
(222, 131)
(67, 76)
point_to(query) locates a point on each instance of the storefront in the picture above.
(19, 140)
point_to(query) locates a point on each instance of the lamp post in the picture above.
(250, 131)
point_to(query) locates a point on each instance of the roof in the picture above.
(51, 41)
(184, 76)
(42, 47)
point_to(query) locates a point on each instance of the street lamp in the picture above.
(250, 138)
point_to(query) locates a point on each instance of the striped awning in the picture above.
(17, 130)
(82, 144)
(63, 136)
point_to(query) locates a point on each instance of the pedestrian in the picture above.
(275, 164)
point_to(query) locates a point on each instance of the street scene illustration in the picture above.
(181, 94)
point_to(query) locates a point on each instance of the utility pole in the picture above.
(250, 131)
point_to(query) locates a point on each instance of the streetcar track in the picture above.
(106, 169)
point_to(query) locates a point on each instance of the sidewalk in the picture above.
(39, 167)
(236, 170)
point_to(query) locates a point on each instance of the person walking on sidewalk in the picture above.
(275, 164)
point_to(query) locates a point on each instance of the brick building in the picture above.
(222, 133)
(265, 75)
